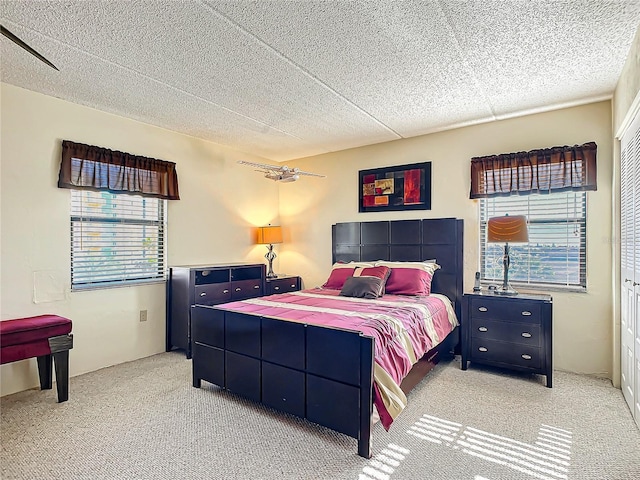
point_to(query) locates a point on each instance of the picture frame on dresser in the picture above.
(512, 332)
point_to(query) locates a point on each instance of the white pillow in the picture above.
(429, 266)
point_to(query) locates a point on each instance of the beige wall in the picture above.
(582, 322)
(626, 103)
(220, 202)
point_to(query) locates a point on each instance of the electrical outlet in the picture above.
(143, 315)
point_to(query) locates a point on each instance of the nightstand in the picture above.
(512, 332)
(283, 284)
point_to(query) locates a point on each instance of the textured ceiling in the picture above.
(286, 79)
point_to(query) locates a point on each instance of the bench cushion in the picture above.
(29, 337)
(32, 329)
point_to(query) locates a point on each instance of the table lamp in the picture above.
(268, 236)
(507, 229)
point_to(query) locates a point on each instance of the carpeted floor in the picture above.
(144, 420)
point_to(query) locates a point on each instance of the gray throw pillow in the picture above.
(362, 287)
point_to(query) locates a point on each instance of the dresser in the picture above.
(283, 284)
(206, 285)
(512, 332)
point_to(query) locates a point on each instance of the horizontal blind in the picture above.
(115, 238)
(556, 252)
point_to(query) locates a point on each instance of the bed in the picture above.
(326, 373)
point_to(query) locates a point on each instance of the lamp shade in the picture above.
(270, 234)
(508, 229)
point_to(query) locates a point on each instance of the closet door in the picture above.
(636, 270)
(630, 267)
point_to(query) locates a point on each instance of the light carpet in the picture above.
(144, 420)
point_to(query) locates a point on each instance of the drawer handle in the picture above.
(225, 291)
(525, 356)
(483, 349)
(203, 294)
(238, 289)
(256, 286)
(526, 314)
(483, 329)
(526, 334)
(482, 309)
(293, 285)
(276, 288)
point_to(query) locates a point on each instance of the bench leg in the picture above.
(45, 372)
(61, 362)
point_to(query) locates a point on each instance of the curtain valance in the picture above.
(546, 170)
(96, 168)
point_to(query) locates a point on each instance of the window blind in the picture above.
(556, 252)
(116, 238)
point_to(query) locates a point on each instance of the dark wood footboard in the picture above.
(319, 373)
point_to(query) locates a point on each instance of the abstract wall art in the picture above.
(401, 187)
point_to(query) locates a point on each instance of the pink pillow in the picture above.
(337, 277)
(410, 278)
(380, 272)
(340, 272)
(409, 281)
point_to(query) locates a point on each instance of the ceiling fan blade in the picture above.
(300, 172)
(19, 42)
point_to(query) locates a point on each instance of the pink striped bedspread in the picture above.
(404, 329)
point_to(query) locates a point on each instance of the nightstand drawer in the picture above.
(246, 289)
(283, 285)
(212, 294)
(515, 332)
(505, 310)
(491, 351)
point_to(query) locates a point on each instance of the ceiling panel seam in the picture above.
(299, 67)
(462, 55)
(135, 72)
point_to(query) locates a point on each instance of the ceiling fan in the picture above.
(281, 173)
(22, 44)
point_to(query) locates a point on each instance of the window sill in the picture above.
(537, 288)
(104, 286)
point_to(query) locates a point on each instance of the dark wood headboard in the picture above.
(407, 240)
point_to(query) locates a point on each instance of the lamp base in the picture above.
(270, 255)
(508, 292)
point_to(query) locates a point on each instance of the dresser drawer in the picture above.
(246, 289)
(505, 310)
(212, 294)
(515, 332)
(283, 285)
(509, 354)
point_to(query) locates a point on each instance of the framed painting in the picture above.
(402, 187)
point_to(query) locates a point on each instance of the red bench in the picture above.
(46, 337)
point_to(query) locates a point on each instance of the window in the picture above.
(116, 238)
(556, 252)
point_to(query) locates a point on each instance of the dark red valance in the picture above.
(538, 171)
(96, 168)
